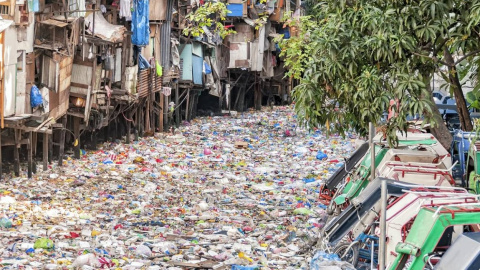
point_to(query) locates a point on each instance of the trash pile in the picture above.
(221, 193)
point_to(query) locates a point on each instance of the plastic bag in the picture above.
(5, 223)
(321, 155)
(86, 259)
(302, 211)
(143, 62)
(323, 260)
(143, 251)
(206, 68)
(159, 69)
(44, 243)
(240, 267)
(35, 97)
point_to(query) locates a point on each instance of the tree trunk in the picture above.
(462, 109)
(440, 130)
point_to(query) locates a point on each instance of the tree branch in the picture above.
(437, 49)
(466, 56)
(433, 58)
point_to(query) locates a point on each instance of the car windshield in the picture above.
(437, 95)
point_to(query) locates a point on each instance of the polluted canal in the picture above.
(226, 192)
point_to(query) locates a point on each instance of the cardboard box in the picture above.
(241, 144)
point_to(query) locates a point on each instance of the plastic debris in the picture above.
(322, 261)
(5, 223)
(231, 192)
(43, 243)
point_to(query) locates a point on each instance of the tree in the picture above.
(208, 16)
(360, 55)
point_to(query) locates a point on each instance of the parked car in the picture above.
(437, 95)
(459, 152)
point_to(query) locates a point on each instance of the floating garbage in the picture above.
(232, 192)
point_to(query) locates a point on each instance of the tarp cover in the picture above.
(140, 23)
(104, 29)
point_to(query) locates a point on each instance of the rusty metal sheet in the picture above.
(239, 55)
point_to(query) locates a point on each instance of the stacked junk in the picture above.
(432, 219)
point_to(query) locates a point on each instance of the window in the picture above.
(446, 100)
(4, 8)
(7, 7)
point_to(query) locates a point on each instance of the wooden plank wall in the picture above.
(59, 101)
(158, 9)
(30, 79)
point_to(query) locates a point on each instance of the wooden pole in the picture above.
(129, 126)
(257, 95)
(1, 162)
(220, 97)
(45, 151)
(137, 123)
(141, 122)
(34, 151)
(177, 111)
(76, 133)
(165, 111)
(62, 141)
(50, 148)
(187, 109)
(2, 80)
(160, 115)
(34, 144)
(29, 150)
(16, 155)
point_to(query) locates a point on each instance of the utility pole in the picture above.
(383, 209)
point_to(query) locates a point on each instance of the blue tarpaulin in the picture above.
(236, 10)
(140, 23)
(143, 62)
(33, 6)
(35, 97)
(285, 32)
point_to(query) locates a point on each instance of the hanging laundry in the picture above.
(125, 10)
(140, 23)
(143, 62)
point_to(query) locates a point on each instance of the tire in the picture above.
(350, 256)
